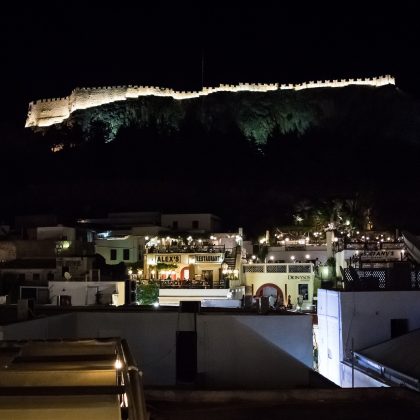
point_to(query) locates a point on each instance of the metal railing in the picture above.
(372, 246)
(128, 387)
(133, 383)
(199, 284)
(278, 268)
(186, 249)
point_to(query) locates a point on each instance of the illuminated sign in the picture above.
(381, 255)
(208, 258)
(299, 277)
(168, 258)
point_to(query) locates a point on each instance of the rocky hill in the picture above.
(244, 155)
(262, 115)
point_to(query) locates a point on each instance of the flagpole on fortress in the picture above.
(202, 69)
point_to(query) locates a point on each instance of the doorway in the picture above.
(207, 277)
(270, 289)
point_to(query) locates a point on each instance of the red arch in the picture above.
(259, 292)
(182, 275)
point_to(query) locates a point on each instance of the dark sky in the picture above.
(48, 50)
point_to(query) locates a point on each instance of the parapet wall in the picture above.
(45, 112)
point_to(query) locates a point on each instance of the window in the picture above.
(36, 277)
(50, 276)
(21, 276)
(175, 224)
(126, 254)
(303, 290)
(195, 224)
(113, 254)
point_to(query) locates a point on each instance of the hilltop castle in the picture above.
(45, 112)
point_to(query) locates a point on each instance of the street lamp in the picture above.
(324, 273)
(225, 267)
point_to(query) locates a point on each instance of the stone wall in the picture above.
(46, 112)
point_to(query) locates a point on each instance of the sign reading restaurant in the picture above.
(209, 258)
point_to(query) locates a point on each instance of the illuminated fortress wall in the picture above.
(46, 112)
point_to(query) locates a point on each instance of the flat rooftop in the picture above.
(343, 404)
(64, 379)
(400, 354)
(8, 313)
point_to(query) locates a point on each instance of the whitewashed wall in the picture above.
(246, 351)
(364, 317)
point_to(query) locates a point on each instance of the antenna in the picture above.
(202, 69)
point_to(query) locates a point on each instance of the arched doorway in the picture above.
(269, 289)
(185, 273)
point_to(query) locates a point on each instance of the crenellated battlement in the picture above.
(45, 112)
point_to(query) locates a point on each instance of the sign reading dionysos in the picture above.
(299, 277)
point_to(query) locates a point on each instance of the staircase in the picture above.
(233, 260)
(230, 261)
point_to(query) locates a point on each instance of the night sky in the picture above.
(49, 50)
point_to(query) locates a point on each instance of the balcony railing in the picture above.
(196, 284)
(185, 249)
(278, 268)
(372, 246)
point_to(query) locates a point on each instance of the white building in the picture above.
(395, 362)
(281, 280)
(50, 252)
(371, 255)
(87, 292)
(357, 320)
(57, 233)
(194, 265)
(119, 248)
(233, 350)
(194, 222)
(297, 252)
(126, 234)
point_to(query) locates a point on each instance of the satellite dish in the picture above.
(67, 275)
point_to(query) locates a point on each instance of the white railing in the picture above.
(279, 268)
